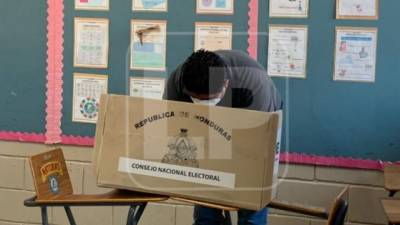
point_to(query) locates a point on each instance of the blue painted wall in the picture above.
(22, 65)
(341, 118)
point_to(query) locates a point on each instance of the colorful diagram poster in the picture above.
(213, 36)
(152, 88)
(148, 45)
(289, 8)
(150, 5)
(355, 54)
(92, 4)
(86, 96)
(91, 43)
(215, 6)
(357, 9)
(287, 51)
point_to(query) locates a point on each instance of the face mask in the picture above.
(210, 102)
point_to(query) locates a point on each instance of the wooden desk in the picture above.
(54, 189)
(281, 205)
(392, 178)
(116, 197)
(135, 200)
(392, 210)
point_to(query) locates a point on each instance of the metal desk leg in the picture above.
(45, 220)
(227, 218)
(131, 212)
(135, 213)
(69, 215)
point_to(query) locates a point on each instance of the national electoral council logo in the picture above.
(89, 107)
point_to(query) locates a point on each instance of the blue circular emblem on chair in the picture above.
(53, 183)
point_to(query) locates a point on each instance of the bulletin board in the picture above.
(181, 17)
(23, 70)
(327, 122)
(342, 119)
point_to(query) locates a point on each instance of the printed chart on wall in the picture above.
(148, 45)
(213, 36)
(147, 87)
(355, 54)
(86, 96)
(357, 9)
(287, 52)
(92, 4)
(150, 5)
(215, 6)
(289, 8)
(91, 43)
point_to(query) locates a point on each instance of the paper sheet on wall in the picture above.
(150, 5)
(287, 51)
(91, 43)
(215, 6)
(148, 52)
(289, 8)
(86, 96)
(213, 36)
(147, 88)
(92, 4)
(357, 8)
(355, 54)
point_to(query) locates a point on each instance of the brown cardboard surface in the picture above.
(215, 154)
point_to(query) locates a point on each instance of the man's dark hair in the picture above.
(204, 72)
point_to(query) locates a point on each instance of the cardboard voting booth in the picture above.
(214, 154)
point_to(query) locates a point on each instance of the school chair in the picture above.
(54, 189)
(392, 210)
(391, 173)
(336, 215)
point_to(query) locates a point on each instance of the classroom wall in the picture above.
(311, 185)
(324, 117)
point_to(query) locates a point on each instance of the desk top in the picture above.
(116, 197)
(392, 177)
(206, 204)
(392, 209)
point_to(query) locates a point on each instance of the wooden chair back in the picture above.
(338, 211)
(392, 210)
(392, 177)
(50, 175)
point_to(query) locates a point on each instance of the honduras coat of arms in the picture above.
(182, 151)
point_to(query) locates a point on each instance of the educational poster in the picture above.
(213, 36)
(150, 5)
(215, 6)
(147, 87)
(357, 9)
(86, 96)
(148, 45)
(287, 51)
(289, 8)
(355, 54)
(91, 43)
(92, 4)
